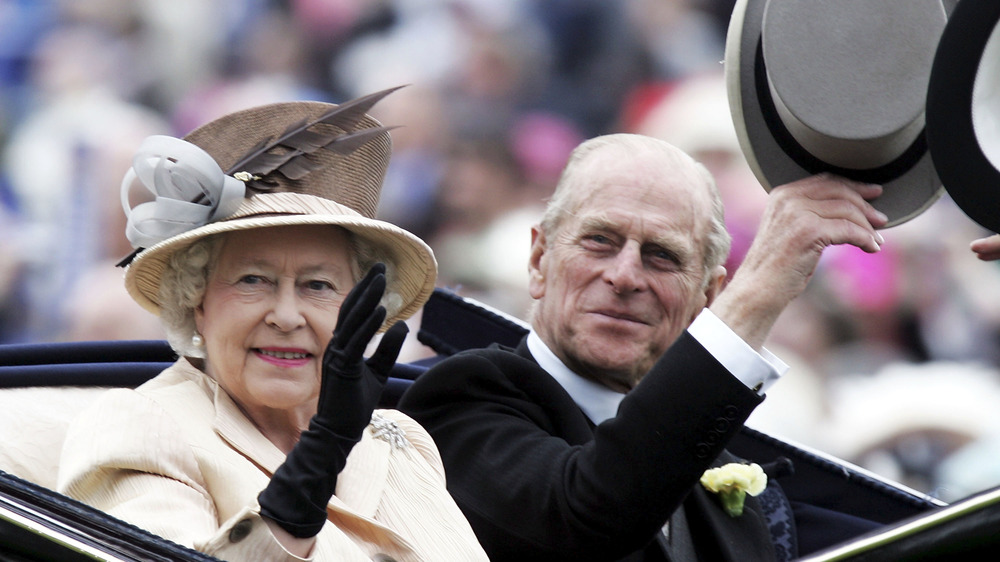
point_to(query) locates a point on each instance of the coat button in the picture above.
(702, 450)
(240, 531)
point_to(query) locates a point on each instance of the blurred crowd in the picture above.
(894, 355)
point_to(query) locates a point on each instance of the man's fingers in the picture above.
(825, 186)
(832, 200)
(860, 228)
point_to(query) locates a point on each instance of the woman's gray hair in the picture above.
(564, 201)
(183, 283)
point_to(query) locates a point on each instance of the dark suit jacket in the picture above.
(538, 481)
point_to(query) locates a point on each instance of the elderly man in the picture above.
(583, 442)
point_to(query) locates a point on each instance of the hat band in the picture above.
(290, 203)
(807, 160)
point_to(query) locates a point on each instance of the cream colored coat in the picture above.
(177, 457)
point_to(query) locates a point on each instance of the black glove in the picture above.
(297, 495)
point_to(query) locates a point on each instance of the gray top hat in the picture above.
(837, 87)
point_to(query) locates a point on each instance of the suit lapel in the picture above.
(676, 540)
(567, 421)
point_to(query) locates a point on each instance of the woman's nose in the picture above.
(285, 313)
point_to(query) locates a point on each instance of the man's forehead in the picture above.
(644, 168)
(646, 199)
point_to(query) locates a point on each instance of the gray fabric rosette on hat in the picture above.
(294, 163)
(837, 87)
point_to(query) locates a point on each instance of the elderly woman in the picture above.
(261, 442)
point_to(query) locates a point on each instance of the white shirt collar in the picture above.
(597, 401)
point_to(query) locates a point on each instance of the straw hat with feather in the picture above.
(294, 163)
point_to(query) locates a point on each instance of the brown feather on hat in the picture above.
(290, 163)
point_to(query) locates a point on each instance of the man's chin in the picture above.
(614, 365)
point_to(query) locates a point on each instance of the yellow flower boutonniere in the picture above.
(732, 482)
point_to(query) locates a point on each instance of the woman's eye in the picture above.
(252, 279)
(317, 285)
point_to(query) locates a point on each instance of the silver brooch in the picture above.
(388, 431)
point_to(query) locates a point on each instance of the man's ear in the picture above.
(536, 263)
(716, 282)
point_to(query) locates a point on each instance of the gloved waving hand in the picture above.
(300, 489)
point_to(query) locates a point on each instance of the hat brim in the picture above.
(415, 267)
(910, 183)
(969, 177)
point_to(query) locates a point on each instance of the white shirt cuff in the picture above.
(759, 371)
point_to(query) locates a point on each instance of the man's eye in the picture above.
(664, 258)
(665, 255)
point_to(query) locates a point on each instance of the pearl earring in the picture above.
(197, 341)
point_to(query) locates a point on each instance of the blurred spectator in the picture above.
(24, 23)
(99, 308)
(64, 163)
(481, 186)
(680, 40)
(971, 468)
(13, 302)
(905, 420)
(492, 192)
(416, 169)
(596, 59)
(267, 61)
(541, 143)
